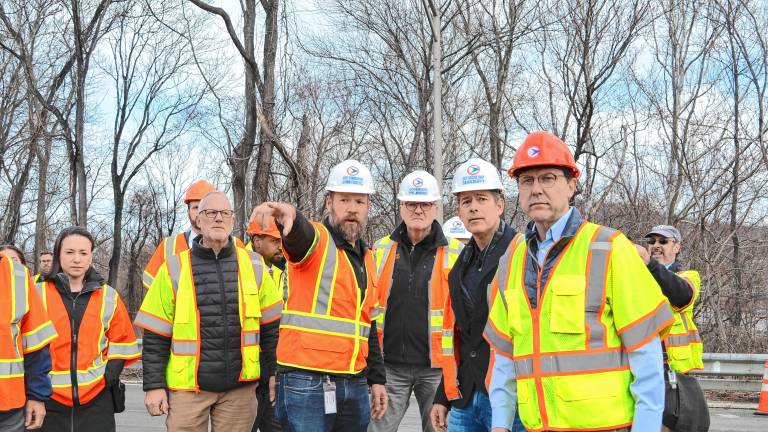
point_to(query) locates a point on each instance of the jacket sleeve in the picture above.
(377, 373)
(299, 241)
(156, 350)
(269, 346)
(675, 288)
(440, 397)
(37, 365)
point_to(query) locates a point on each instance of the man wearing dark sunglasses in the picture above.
(683, 347)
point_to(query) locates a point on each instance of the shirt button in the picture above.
(473, 354)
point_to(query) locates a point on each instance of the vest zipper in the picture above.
(73, 351)
(223, 295)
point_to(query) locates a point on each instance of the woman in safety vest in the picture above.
(89, 315)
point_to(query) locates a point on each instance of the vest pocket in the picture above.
(567, 304)
(574, 388)
(679, 352)
(325, 343)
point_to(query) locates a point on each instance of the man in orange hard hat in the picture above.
(575, 316)
(181, 241)
(266, 242)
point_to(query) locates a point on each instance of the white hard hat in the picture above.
(350, 176)
(419, 186)
(454, 228)
(476, 174)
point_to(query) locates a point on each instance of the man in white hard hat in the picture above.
(412, 265)
(479, 192)
(454, 228)
(328, 355)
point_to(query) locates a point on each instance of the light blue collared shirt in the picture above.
(554, 233)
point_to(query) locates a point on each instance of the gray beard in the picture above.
(349, 232)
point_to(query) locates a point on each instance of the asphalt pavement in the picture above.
(136, 419)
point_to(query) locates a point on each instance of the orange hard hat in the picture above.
(254, 228)
(543, 149)
(198, 190)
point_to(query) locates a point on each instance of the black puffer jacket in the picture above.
(215, 278)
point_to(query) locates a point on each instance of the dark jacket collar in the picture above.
(433, 240)
(93, 281)
(207, 253)
(359, 248)
(675, 267)
(571, 227)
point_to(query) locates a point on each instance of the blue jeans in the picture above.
(300, 403)
(476, 417)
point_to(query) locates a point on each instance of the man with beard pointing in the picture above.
(328, 353)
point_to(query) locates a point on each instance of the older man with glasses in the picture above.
(683, 350)
(412, 265)
(208, 314)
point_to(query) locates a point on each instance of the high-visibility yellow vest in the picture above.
(384, 253)
(570, 352)
(685, 351)
(170, 309)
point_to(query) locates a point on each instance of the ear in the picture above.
(500, 205)
(676, 248)
(572, 183)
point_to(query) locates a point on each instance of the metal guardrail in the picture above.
(722, 372)
(732, 372)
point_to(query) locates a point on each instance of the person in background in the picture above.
(44, 264)
(25, 334)
(96, 338)
(13, 253)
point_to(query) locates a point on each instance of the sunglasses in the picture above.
(663, 241)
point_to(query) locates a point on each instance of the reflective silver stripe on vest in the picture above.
(184, 347)
(568, 364)
(12, 367)
(20, 278)
(376, 311)
(390, 245)
(683, 340)
(499, 343)
(599, 253)
(147, 279)
(153, 324)
(83, 377)
(109, 304)
(39, 336)
(641, 330)
(326, 277)
(174, 270)
(170, 243)
(258, 267)
(40, 288)
(324, 324)
(123, 350)
(251, 338)
(272, 312)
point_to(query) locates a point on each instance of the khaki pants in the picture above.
(229, 411)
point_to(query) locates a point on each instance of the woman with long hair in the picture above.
(96, 339)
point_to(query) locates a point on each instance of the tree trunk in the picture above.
(43, 160)
(117, 236)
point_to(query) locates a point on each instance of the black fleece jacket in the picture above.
(297, 244)
(215, 279)
(673, 286)
(76, 303)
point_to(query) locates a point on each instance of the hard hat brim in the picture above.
(351, 189)
(473, 188)
(418, 198)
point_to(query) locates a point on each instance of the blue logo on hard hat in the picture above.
(457, 224)
(533, 152)
(473, 170)
(417, 182)
(353, 170)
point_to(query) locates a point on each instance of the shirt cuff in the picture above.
(646, 420)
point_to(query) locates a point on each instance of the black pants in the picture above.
(95, 416)
(265, 413)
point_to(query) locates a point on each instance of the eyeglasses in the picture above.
(211, 214)
(662, 241)
(545, 180)
(425, 206)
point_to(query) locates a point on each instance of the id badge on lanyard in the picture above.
(329, 395)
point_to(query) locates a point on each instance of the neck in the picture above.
(484, 239)
(215, 245)
(76, 283)
(543, 227)
(417, 235)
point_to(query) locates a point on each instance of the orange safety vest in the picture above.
(24, 328)
(105, 333)
(170, 246)
(325, 325)
(451, 344)
(437, 290)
